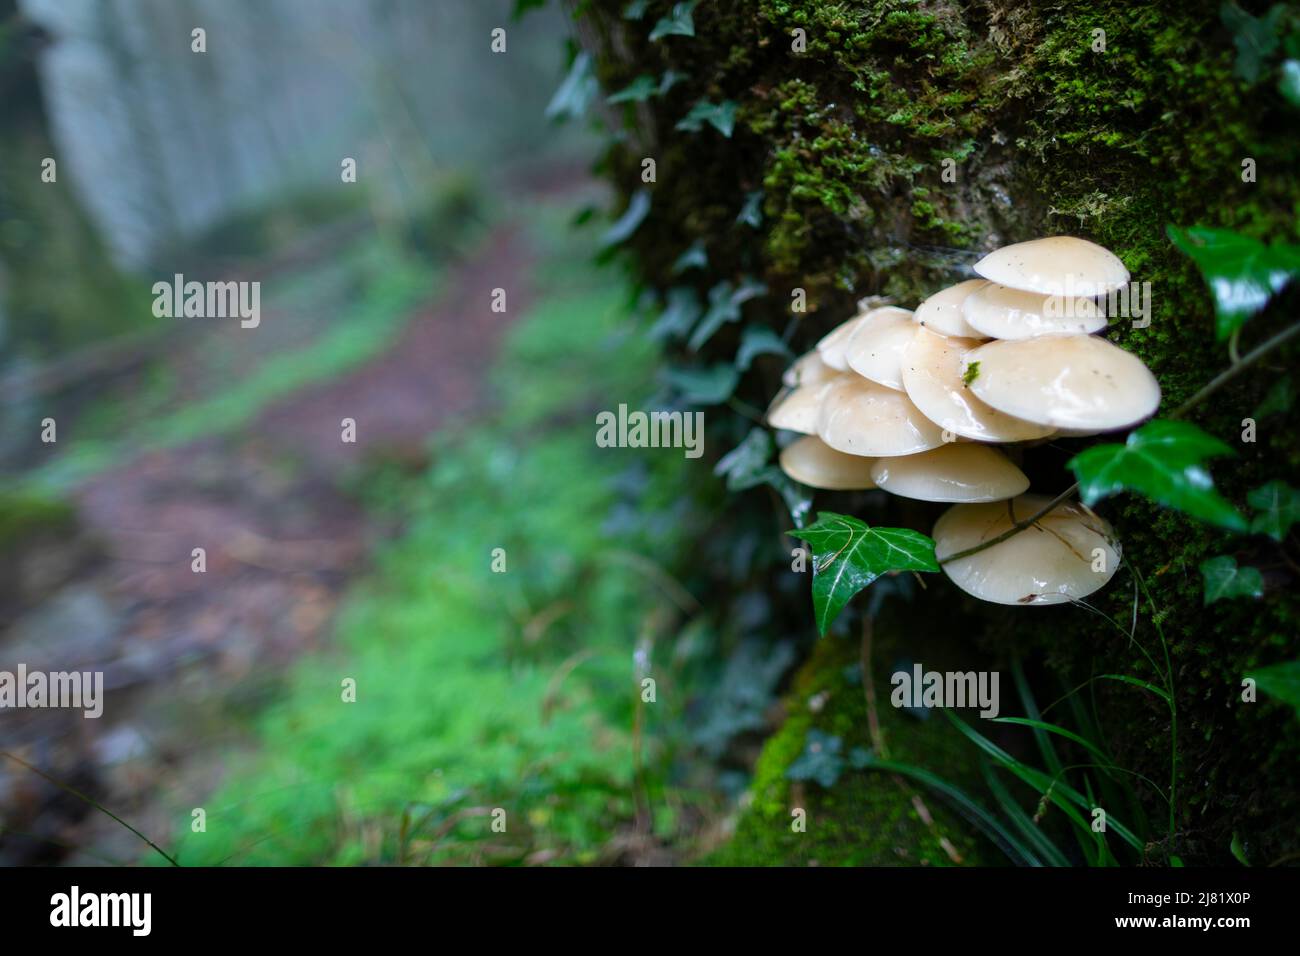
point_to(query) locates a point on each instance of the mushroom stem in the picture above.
(1216, 383)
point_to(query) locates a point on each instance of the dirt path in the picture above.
(281, 542)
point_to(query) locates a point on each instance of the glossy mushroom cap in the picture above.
(796, 409)
(932, 376)
(833, 343)
(1057, 265)
(875, 349)
(810, 461)
(1065, 555)
(859, 417)
(1079, 382)
(942, 312)
(807, 369)
(1000, 312)
(952, 472)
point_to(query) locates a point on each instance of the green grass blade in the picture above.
(1023, 822)
(977, 815)
(1099, 839)
(1044, 727)
(1056, 790)
(1125, 678)
(1031, 710)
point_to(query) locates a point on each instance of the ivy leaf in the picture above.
(749, 288)
(693, 258)
(848, 554)
(744, 465)
(1256, 38)
(638, 91)
(797, 497)
(1278, 399)
(757, 340)
(670, 79)
(576, 92)
(1238, 849)
(724, 306)
(637, 209)
(680, 314)
(1278, 505)
(722, 309)
(678, 23)
(1243, 274)
(635, 9)
(1161, 460)
(751, 213)
(721, 116)
(645, 86)
(705, 386)
(1223, 579)
(1289, 84)
(821, 759)
(1281, 681)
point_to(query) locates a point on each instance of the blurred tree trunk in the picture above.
(61, 290)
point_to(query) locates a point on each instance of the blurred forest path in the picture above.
(276, 504)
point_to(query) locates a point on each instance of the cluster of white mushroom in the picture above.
(912, 403)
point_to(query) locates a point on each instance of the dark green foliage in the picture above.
(1278, 505)
(848, 555)
(823, 761)
(1164, 461)
(1242, 274)
(1281, 681)
(1224, 579)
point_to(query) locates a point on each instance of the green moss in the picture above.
(867, 817)
(24, 516)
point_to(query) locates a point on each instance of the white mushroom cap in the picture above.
(952, 472)
(807, 369)
(1050, 562)
(1078, 382)
(1058, 265)
(932, 371)
(812, 462)
(859, 417)
(1005, 313)
(942, 312)
(833, 343)
(796, 409)
(875, 349)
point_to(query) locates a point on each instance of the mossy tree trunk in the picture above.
(1108, 120)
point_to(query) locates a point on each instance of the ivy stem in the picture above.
(1017, 527)
(745, 409)
(1236, 368)
(1213, 385)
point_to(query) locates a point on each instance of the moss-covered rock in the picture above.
(1050, 127)
(867, 817)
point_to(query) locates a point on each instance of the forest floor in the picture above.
(267, 496)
